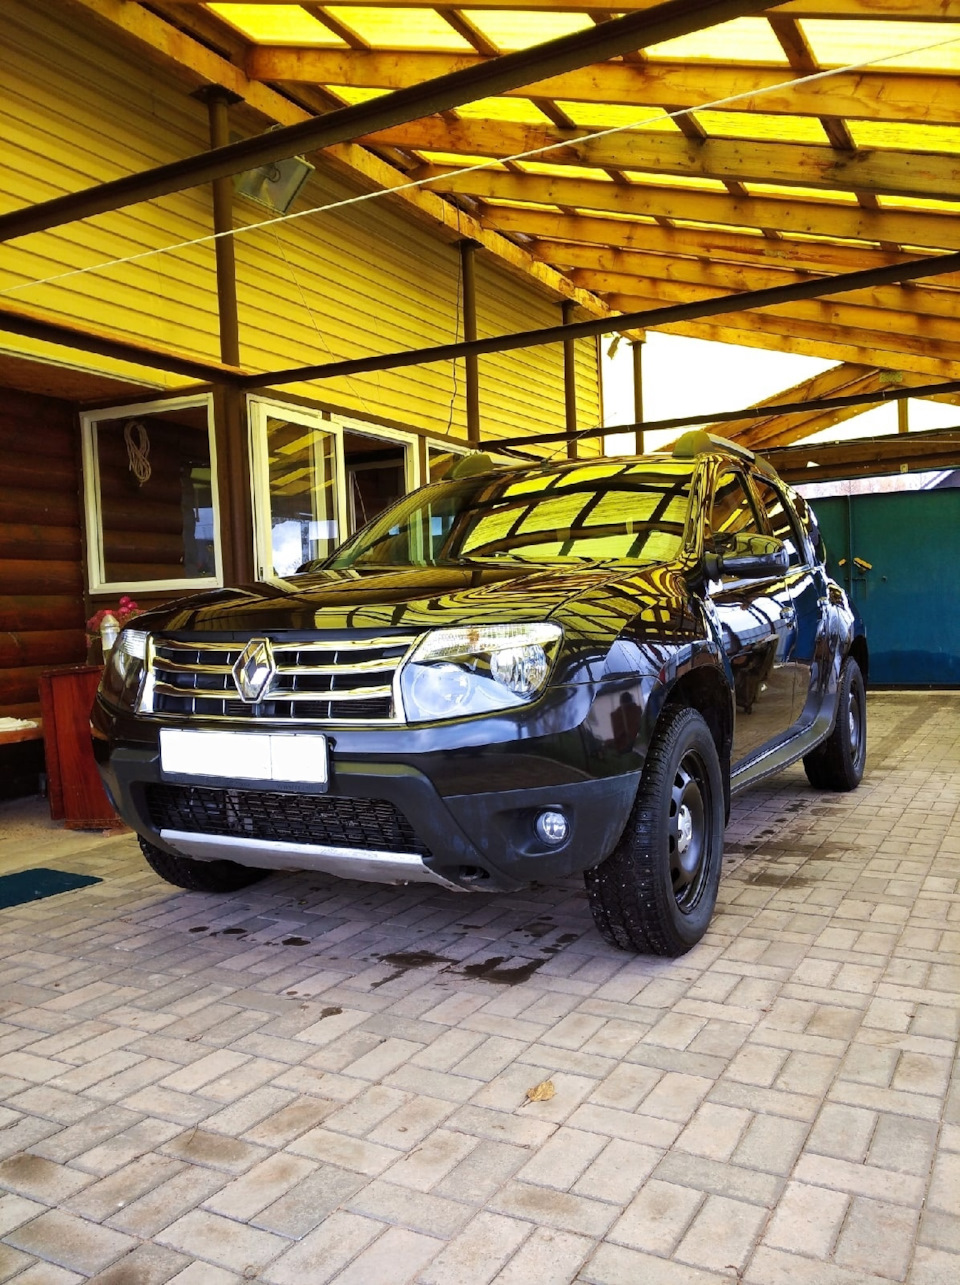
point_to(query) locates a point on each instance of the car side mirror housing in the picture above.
(748, 557)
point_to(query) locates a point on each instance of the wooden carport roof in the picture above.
(814, 138)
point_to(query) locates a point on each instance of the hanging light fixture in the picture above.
(275, 185)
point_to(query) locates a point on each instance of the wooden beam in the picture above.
(680, 280)
(899, 335)
(915, 97)
(715, 245)
(839, 380)
(35, 323)
(871, 456)
(155, 39)
(888, 10)
(812, 338)
(878, 170)
(816, 218)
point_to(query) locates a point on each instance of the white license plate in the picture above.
(248, 756)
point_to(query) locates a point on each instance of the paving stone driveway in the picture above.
(314, 1080)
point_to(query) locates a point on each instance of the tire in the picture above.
(200, 876)
(838, 762)
(644, 897)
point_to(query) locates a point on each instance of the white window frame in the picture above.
(262, 408)
(93, 513)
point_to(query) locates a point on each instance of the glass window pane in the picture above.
(156, 496)
(779, 520)
(732, 512)
(303, 494)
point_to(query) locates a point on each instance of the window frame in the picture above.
(97, 583)
(799, 534)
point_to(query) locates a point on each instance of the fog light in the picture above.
(552, 827)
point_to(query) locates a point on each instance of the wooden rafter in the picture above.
(883, 171)
(815, 218)
(912, 97)
(720, 246)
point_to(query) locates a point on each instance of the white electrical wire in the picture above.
(482, 165)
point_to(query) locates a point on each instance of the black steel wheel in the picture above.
(838, 762)
(657, 890)
(200, 876)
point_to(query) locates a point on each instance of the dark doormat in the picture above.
(34, 885)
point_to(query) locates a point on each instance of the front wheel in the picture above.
(656, 891)
(200, 876)
(838, 762)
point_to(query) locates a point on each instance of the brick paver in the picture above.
(313, 1080)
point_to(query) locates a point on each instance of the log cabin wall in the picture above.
(41, 574)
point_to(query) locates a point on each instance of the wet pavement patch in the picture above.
(35, 885)
(295, 941)
(489, 970)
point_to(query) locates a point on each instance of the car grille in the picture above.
(336, 680)
(370, 824)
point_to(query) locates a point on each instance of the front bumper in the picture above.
(449, 831)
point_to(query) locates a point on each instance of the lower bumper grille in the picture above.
(373, 824)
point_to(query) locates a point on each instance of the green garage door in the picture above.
(909, 596)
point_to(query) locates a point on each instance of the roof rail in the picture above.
(697, 442)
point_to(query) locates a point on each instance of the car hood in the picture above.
(423, 598)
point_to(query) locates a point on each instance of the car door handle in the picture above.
(788, 615)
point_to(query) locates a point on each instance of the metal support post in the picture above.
(570, 380)
(636, 347)
(471, 361)
(218, 101)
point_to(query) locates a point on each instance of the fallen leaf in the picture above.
(541, 1092)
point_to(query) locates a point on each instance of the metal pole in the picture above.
(218, 101)
(471, 361)
(492, 77)
(570, 381)
(636, 346)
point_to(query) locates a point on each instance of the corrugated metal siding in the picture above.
(339, 284)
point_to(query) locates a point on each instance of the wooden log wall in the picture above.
(148, 528)
(41, 575)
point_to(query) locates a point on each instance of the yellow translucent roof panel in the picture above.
(675, 180)
(612, 116)
(782, 129)
(908, 138)
(537, 166)
(920, 46)
(453, 160)
(519, 110)
(277, 24)
(698, 225)
(743, 40)
(402, 28)
(802, 193)
(354, 93)
(518, 30)
(919, 203)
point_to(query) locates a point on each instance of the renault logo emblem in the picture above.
(255, 670)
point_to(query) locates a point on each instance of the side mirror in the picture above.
(749, 557)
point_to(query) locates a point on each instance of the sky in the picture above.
(698, 376)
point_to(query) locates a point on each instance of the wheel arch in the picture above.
(705, 689)
(861, 654)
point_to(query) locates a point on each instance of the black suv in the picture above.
(510, 675)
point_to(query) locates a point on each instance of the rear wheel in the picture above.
(200, 876)
(838, 762)
(656, 891)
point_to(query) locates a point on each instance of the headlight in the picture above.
(123, 672)
(476, 671)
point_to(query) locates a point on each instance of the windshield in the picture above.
(608, 511)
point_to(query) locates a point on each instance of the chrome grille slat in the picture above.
(192, 678)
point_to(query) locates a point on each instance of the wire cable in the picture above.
(412, 184)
